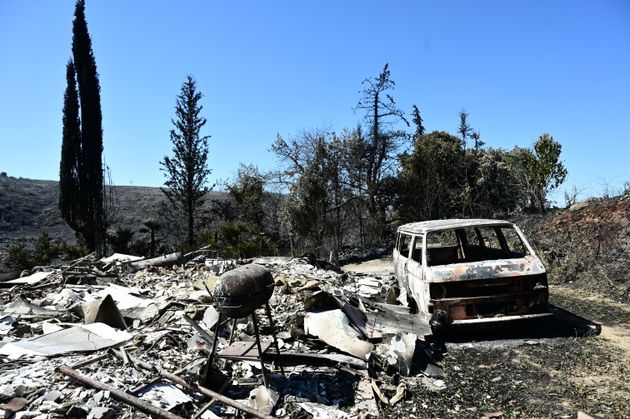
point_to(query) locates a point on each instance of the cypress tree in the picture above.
(69, 204)
(83, 196)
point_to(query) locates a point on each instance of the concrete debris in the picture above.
(79, 338)
(333, 327)
(32, 279)
(262, 399)
(319, 411)
(166, 396)
(131, 337)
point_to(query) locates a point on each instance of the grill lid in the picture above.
(246, 280)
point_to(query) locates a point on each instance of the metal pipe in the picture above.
(119, 394)
(200, 389)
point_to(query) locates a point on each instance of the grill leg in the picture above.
(208, 366)
(260, 352)
(232, 331)
(273, 333)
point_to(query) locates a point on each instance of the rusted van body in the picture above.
(469, 271)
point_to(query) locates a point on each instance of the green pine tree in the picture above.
(186, 171)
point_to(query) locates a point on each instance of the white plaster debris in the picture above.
(43, 323)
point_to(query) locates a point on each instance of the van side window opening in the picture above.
(405, 244)
(416, 254)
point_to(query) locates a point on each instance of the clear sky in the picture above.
(520, 68)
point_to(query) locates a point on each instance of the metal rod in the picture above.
(273, 333)
(200, 389)
(213, 350)
(205, 335)
(211, 402)
(89, 361)
(118, 394)
(260, 352)
(137, 389)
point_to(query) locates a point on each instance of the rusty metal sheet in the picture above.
(488, 269)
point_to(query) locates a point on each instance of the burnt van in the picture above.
(458, 272)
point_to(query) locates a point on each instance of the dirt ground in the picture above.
(529, 372)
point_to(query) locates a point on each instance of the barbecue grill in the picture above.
(237, 294)
(240, 291)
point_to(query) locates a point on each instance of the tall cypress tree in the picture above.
(69, 203)
(89, 221)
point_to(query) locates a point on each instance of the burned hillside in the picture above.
(587, 246)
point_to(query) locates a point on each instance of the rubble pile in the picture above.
(123, 337)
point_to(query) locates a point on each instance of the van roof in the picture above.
(432, 225)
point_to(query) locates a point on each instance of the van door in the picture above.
(401, 257)
(415, 277)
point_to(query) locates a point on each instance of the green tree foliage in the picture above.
(540, 171)
(319, 197)
(81, 169)
(247, 196)
(69, 196)
(464, 127)
(42, 251)
(121, 240)
(431, 177)
(418, 122)
(186, 171)
(496, 186)
(382, 143)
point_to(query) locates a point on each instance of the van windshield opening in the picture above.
(473, 244)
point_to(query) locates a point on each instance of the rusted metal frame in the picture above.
(490, 298)
(199, 389)
(118, 394)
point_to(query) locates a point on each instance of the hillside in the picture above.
(585, 246)
(28, 207)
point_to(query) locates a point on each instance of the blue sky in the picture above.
(520, 68)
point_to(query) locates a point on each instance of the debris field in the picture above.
(123, 337)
